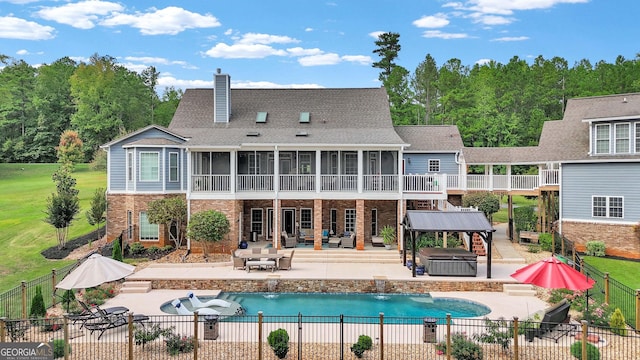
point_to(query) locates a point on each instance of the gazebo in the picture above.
(418, 222)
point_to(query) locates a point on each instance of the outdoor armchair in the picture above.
(285, 262)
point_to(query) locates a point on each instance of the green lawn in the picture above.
(623, 271)
(24, 189)
(502, 216)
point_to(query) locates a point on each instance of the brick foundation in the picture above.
(620, 240)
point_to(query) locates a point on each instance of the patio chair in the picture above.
(349, 242)
(238, 262)
(255, 250)
(93, 312)
(288, 241)
(285, 262)
(325, 235)
(105, 322)
(555, 321)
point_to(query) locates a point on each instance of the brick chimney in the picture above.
(221, 97)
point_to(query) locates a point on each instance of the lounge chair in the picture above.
(325, 235)
(94, 312)
(181, 310)
(288, 241)
(197, 303)
(285, 262)
(555, 321)
(238, 262)
(349, 242)
(105, 322)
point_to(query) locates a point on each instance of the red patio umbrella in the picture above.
(552, 273)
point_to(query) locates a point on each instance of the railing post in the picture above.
(606, 288)
(23, 288)
(299, 336)
(582, 265)
(259, 335)
(341, 337)
(53, 287)
(448, 336)
(585, 332)
(637, 310)
(381, 336)
(516, 346)
(130, 329)
(195, 335)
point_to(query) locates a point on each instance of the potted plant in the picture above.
(388, 236)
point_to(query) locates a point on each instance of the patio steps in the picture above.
(129, 287)
(518, 290)
(382, 256)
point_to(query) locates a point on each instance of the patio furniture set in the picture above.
(258, 258)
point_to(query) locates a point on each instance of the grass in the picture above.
(24, 189)
(518, 200)
(624, 271)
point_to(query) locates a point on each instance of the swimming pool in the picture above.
(353, 304)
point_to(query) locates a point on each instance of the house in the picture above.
(304, 160)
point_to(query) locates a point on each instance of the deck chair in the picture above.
(349, 242)
(285, 262)
(325, 235)
(105, 322)
(93, 312)
(238, 262)
(288, 241)
(555, 322)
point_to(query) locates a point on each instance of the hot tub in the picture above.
(448, 262)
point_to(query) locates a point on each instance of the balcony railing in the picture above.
(428, 183)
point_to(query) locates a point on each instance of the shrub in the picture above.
(279, 342)
(364, 343)
(38, 310)
(595, 248)
(465, 349)
(58, 348)
(149, 333)
(116, 253)
(592, 351)
(618, 326)
(153, 250)
(496, 332)
(137, 248)
(546, 241)
(525, 218)
(534, 249)
(178, 344)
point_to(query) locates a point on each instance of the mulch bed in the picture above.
(56, 253)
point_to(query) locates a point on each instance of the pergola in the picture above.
(418, 222)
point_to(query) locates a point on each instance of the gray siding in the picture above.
(419, 163)
(118, 168)
(582, 181)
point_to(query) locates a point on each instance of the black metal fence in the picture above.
(606, 290)
(318, 338)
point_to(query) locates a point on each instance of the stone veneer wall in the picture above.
(620, 240)
(333, 285)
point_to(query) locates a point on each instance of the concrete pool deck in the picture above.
(501, 304)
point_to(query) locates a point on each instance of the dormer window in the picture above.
(623, 140)
(602, 138)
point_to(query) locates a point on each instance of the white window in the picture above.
(350, 163)
(306, 218)
(130, 165)
(434, 165)
(305, 163)
(623, 138)
(256, 221)
(607, 206)
(149, 166)
(350, 220)
(638, 138)
(148, 232)
(602, 139)
(173, 167)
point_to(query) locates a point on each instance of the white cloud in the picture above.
(16, 28)
(513, 38)
(80, 59)
(82, 15)
(171, 20)
(322, 59)
(270, 85)
(432, 21)
(309, 29)
(508, 7)
(361, 59)
(161, 61)
(491, 19)
(19, 1)
(243, 51)
(298, 51)
(442, 35)
(253, 38)
(483, 61)
(168, 81)
(376, 34)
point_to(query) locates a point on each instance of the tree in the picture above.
(150, 79)
(116, 252)
(168, 105)
(170, 212)
(63, 205)
(388, 48)
(208, 226)
(486, 202)
(424, 83)
(96, 214)
(70, 149)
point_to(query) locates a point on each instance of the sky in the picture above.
(309, 43)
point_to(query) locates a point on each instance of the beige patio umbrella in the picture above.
(95, 270)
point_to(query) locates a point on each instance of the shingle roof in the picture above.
(338, 116)
(461, 221)
(433, 138)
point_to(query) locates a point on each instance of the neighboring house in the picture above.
(296, 160)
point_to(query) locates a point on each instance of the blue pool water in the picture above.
(328, 304)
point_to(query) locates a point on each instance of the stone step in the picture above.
(518, 290)
(346, 256)
(129, 287)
